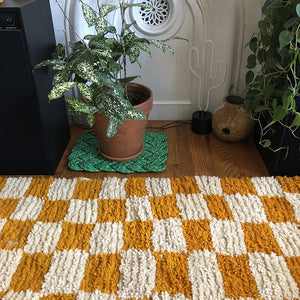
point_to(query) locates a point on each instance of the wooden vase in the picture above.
(231, 122)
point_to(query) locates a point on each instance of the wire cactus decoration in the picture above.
(201, 67)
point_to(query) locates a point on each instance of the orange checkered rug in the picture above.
(149, 238)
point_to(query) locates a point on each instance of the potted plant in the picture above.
(273, 82)
(97, 65)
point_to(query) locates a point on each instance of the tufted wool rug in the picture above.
(150, 238)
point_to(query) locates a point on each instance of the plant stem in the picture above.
(123, 30)
(70, 23)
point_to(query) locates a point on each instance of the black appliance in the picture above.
(33, 132)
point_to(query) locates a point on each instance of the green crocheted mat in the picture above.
(85, 156)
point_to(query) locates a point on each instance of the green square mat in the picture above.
(85, 156)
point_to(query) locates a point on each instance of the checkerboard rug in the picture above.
(149, 238)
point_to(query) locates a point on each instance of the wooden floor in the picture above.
(189, 154)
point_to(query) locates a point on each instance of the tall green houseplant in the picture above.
(97, 66)
(273, 77)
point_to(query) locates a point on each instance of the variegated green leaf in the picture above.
(85, 90)
(114, 66)
(119, 91)
(111, 29)
(97, 89)
(79, 106)
(89, 37)
(105, 9)
(59, 90)
(130, 39)
(110, 42)
(87, 72)
(60, 50)
(55, 63)
(102, 53)
(133, 54)
(90, 118)
(89, 14)
(163, 46)
(144, 47)
(57, 78)
(112, 128)
(136, 114)
(100, 25)
(141, 5)
(113, 107)
(99, 44)
(78, 46)
(67, 73)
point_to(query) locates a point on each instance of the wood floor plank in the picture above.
(189, 154)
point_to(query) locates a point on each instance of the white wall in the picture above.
(201, 72)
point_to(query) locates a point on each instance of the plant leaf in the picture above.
(278, 114)
(286, 99)
(85, 90)
(249, 76)
(279, 66)
(291, 22)
(261, 108)
(266, 143)
(111, 29)
(56, 64)
(253, 44)
(59, 90)
(90, 118)
(112, 106)
(251, 63)
(128, 79)
(142, 5)
(268, 90)
(261, 55)
(89, 14)
(87, 72)
(163, 46)
(285, 37)
(57, 78)
(102, 53)
(144, 47)
(112, 127)
(114, 66)
(296, 121)
(105, 9)
(80, 107)
(89, 37)
(100, 25)
(134, 54)
(78, 46)
(298, 9)
(136, 114)
(99, 44)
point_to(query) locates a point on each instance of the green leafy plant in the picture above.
(97, 66)
(274, 68)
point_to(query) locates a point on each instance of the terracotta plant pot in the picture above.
(231, 122)
(127, 143)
